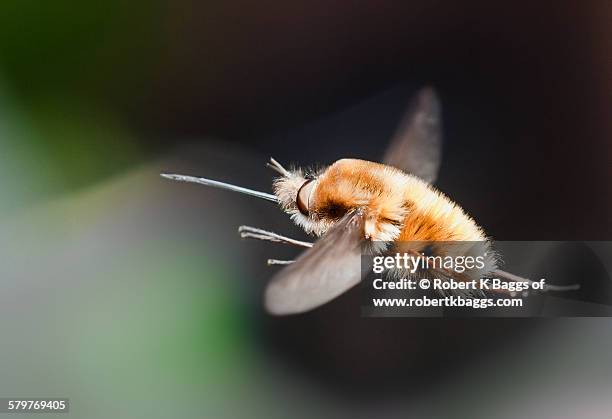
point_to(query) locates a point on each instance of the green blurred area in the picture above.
(124, 315)
(64, 67)
(154, 324)
(80, 47)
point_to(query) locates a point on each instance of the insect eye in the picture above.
(335, 211)
(303, 196)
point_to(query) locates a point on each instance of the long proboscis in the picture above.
(221, 185)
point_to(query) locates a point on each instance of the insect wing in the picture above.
(417, 145)
(320, 274)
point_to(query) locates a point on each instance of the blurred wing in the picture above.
(323, 272)
(417, 145)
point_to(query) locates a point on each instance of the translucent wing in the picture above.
(417, 145)
(321, 273)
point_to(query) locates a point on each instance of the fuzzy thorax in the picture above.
(346, 185)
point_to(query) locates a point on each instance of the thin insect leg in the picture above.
(511, 277)
(443, 272)
(274, 165)
(504, 275)
(279, 262)
(259, 234)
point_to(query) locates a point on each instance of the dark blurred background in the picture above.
(96, 99)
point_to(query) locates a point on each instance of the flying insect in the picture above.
(354, 204)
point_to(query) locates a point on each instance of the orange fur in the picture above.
(399, 208)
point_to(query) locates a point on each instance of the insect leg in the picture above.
(279, 262)
(259, 234)
(274, 165)
(511, 277)
(508, 277)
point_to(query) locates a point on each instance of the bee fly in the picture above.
(353, 203)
